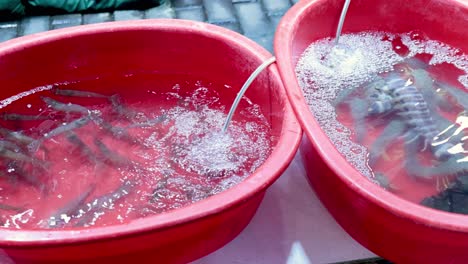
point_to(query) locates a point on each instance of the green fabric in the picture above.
(75, 6)
(11, 7)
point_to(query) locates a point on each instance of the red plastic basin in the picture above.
(391, 227)
(158, 46)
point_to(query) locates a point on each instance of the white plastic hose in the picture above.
(244, 88)
(341, 22)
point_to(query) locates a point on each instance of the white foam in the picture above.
(194, 142)
(349, 67)
(208, 151)
(324, 71)
(16, 97)
(211, 153)
(442, 53)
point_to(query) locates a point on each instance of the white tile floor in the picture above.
(291, 226)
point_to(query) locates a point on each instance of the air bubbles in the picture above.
(326, 72)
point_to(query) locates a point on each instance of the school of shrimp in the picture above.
(111, 161)
(396, 99)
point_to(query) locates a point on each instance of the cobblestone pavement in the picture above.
(256, 19)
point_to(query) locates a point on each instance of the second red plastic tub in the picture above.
(391, 227)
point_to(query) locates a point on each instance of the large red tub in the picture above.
(158, 46)
(394, 228)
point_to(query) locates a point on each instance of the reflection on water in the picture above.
(459, 148)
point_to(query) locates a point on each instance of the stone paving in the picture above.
(256, 19)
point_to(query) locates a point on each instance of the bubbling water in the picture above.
(322, 78)
(129, 159)
(357, 71)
